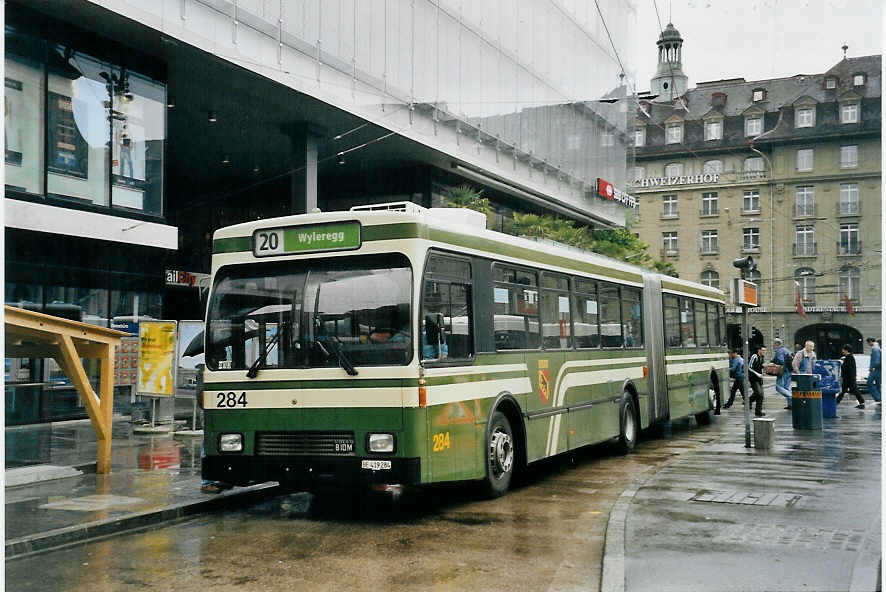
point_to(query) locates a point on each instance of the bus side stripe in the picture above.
(451, 393)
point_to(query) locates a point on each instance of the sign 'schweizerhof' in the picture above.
(680, 180)
(606, 190)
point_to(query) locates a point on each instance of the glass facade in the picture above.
(516, 79)
(80, 130)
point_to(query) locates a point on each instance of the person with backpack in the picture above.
(783, 382)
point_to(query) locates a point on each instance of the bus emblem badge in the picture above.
(544, 385)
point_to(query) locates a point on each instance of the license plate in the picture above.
(376, 465)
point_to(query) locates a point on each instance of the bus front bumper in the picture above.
(309, 472)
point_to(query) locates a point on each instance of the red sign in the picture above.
(605, 189)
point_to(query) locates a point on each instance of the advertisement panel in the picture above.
(156, 363)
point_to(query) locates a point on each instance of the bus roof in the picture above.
(450, 227)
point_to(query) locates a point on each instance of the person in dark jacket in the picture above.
(755, 376)
(736, 373)
(847, 374)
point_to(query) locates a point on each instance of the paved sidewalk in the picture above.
(153, 479)
(803, 516)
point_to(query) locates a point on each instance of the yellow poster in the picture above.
(156, 360)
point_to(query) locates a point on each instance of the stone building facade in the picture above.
(787, 170)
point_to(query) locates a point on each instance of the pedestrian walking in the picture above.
(804, 360)
(847, 377)
(783, 382)
(755, 376)
(736, 373)
(874, 377)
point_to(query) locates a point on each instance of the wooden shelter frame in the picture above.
(31, 334)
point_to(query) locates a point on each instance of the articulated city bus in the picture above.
(396, 345)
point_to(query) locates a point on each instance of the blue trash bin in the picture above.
(805, 402)
(829, 385)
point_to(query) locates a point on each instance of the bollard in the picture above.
(764, 432)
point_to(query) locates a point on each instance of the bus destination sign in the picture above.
(310, 238)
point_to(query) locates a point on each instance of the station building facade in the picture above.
(135, 129)
(786, 170)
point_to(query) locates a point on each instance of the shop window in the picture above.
(23, 119)
(77, 127)
(137, 144)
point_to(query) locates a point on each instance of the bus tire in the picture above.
(500, 456)
(628, 424)
(704, 418)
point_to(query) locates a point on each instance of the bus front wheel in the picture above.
(627, 413)
(499, 455)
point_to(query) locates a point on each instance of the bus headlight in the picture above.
(230, 443)
(381, 443)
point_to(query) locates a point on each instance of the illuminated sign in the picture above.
(744, 292)
(607, 190)
(184, 278)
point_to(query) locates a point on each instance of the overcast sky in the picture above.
(758, 39)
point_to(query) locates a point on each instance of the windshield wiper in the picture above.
(253, 370)
(338, 350)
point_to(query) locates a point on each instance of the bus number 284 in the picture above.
(230, 400)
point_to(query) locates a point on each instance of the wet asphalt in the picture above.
(547, 533)
(702, 512)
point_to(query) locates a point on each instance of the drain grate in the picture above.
(828, 539)
(747, 498)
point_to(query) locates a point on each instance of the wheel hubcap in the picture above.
(501, 452)
(712, 397)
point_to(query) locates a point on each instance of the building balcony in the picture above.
(752, 175)
(849, 209)
(752, 248)
(709, 251)
(669, 215)
(804, 211)
(849, 248)
(709, 212)
(669, 252)
(805, 249)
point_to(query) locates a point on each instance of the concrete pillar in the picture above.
(305, 138)
(764, 432)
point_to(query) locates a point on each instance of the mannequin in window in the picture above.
(125, 143)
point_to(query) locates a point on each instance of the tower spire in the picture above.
(669, 82)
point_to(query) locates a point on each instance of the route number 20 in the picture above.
(267, 242)
(223, 400)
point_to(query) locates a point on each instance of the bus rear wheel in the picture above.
(499, 456)
(627, 414)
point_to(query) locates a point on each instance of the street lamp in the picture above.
(771, 221)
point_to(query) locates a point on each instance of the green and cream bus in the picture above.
(396, 345)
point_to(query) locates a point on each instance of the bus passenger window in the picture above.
(555, 318)
(587, 329)
(712, 324)
(672, 321)
(632, 317)
(687, 324)
(610, 317)
(446, 321)
(515, 309)
(701, 329)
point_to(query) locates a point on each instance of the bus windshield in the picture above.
(310, 314)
